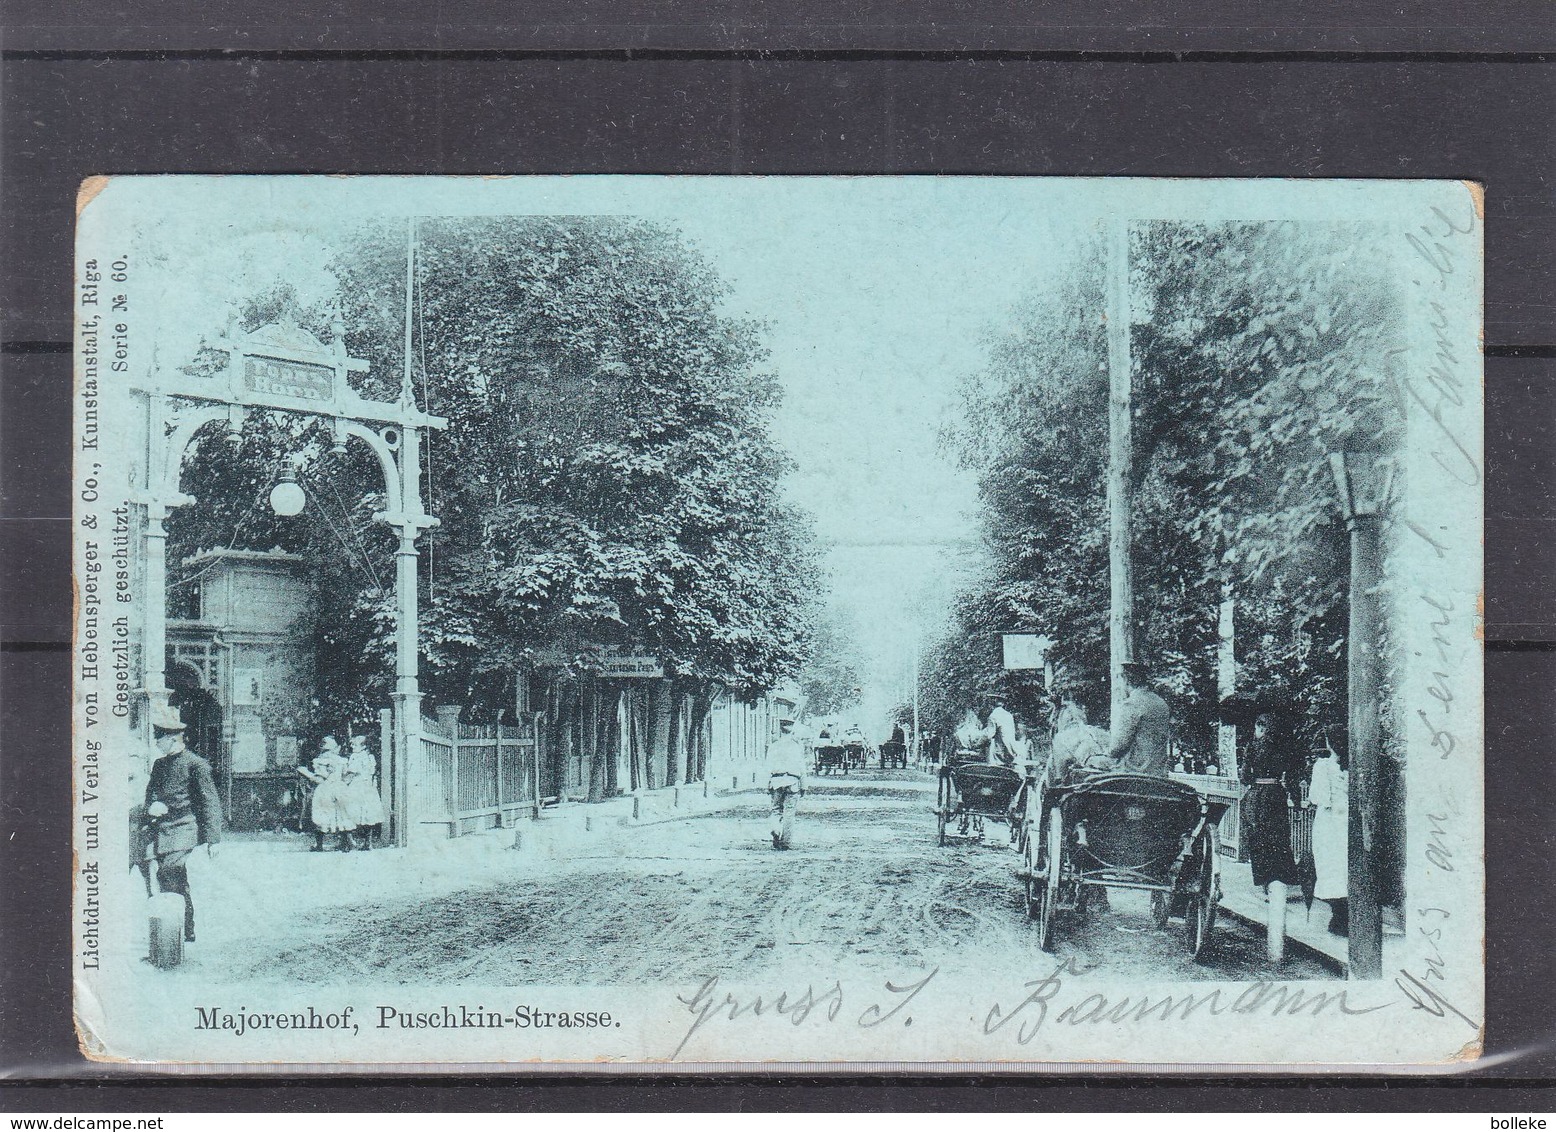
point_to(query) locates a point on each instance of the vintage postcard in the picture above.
(914, 622)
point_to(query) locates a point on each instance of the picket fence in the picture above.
(474, 776)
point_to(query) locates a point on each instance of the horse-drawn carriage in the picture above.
(1123, 831)
(855, 752)
(831, 758)
(894, 753)
(972, 792)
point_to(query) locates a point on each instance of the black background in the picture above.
(1229, 90)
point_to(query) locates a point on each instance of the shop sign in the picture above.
(1024, 650)
(612, 665)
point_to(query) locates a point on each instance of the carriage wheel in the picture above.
(1159, 910)
(1036, 886)
(1201, 912)
(1198, 918)
(942, 805)
(1045, 922)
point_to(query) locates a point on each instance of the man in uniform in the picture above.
(786, 776)
(183, 809)
(1143, 728)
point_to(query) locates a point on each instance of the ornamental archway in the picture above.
(283, 367)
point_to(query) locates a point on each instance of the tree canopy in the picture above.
(1256, 350)
(607, 477)
(830, 682)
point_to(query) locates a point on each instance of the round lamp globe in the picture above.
(287, 499)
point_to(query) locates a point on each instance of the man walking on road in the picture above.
(1143, 727)
(786, 781)
(182, 808)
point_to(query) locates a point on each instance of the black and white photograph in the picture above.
(778, 621)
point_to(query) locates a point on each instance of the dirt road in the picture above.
(866, 885)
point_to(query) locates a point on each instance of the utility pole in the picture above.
(1226, 679)
(1121, 614)
(1362, 496)
(1365, 946)
(913, 750)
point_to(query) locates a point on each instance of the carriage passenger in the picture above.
(1001, 734)
(1143, 730)
(1079, 749)
(969, 733)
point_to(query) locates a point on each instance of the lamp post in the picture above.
(1121, 573)
(1362, 482)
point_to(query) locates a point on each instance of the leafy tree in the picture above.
(607, 477)
(1256, 349)
(616, 480)
(830, 681)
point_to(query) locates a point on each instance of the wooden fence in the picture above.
(1233, 835)
(473, 776)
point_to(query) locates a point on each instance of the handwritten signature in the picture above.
(705, 1005)
(1435, 244)
(1422, 996)
(1271, 999)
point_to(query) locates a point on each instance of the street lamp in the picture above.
(286, 497)
(1363, 482)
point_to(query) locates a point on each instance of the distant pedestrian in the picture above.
(1143, 729)
(183, 810)
(786, 781)
(331, 815)
(364, 804)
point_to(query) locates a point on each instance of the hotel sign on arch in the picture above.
(283, 377)
(284, 365)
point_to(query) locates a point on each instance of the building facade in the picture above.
(240, 663)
